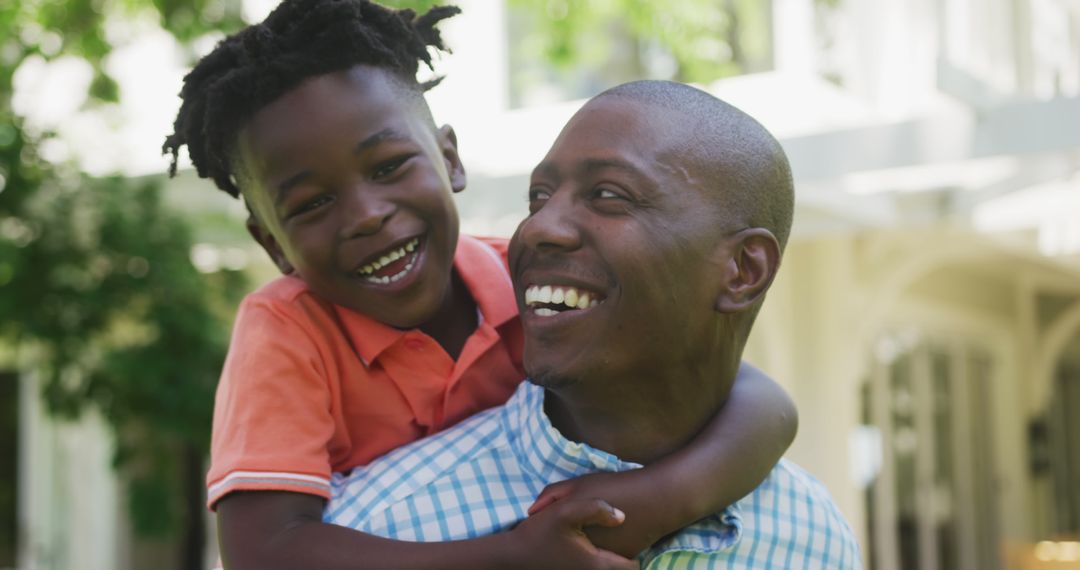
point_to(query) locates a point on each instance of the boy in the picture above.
(386, 327)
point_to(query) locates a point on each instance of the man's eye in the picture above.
(537, 197)
(538, 194)
(607, 193)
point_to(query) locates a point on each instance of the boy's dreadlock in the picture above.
(299, 39)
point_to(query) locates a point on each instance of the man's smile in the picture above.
(545, 300)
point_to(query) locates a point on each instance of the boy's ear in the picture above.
(454, 168)
(268, 243)
(751, 260)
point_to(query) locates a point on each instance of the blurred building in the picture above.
(927, 316)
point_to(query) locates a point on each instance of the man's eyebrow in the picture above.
(545, 169)
(549, 169)
(387, 134)
(591, 164)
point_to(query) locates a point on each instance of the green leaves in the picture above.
(688, 40)
(97, 290)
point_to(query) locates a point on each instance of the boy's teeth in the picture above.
(387, 259)
(568, 297)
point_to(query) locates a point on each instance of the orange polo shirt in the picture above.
(310, 388)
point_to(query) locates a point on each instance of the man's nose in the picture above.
(554, 226)
(365, 211)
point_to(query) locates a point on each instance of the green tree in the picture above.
(589, 45)
(97, 292)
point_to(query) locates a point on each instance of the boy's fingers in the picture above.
(549, 495)
(541, 502)
(590, 512)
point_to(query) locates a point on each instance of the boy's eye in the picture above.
(389, 167)
(310, 205)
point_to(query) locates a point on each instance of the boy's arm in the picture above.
(724, 463)
(271, 530)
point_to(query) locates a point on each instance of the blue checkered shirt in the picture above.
(480, 477)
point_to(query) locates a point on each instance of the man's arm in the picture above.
(724, 463)
(271, 530)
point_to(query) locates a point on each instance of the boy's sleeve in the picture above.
(272, 413)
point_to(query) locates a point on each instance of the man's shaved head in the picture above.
(736, 154)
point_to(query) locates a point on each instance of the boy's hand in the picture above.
(625, 541)
(578, 487)
(555, 538)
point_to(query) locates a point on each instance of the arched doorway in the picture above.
(930, 504)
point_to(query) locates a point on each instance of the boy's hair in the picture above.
(298, 40)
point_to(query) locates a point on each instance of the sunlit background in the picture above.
(926, 319)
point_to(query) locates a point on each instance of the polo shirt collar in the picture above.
(542, 449)
(486, 277)
(488, 280)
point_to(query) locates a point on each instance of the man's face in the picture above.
(620, 227)
(351, 183)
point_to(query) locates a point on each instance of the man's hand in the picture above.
(555, 538)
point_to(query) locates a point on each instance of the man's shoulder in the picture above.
(415, 469)
(792, 514)
(790, 520)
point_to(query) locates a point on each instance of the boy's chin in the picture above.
(402, 316)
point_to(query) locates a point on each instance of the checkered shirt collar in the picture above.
(540, 447)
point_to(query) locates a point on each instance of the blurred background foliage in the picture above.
(98, 294)
(586, 46)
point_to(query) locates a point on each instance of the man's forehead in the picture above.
(622, 134)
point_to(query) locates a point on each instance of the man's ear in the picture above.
(454, 168)
(268, 243)
(752, 259)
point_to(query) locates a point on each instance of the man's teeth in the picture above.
(390, 257)
(570, 297)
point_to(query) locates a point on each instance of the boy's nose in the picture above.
(365, 212)
(554, 226)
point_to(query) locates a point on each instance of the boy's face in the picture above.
(350, 183)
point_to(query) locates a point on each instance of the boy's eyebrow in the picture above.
(387, 134)
(288, 184)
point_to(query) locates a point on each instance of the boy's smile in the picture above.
(350, 182)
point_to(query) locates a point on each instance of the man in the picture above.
(667, 210)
